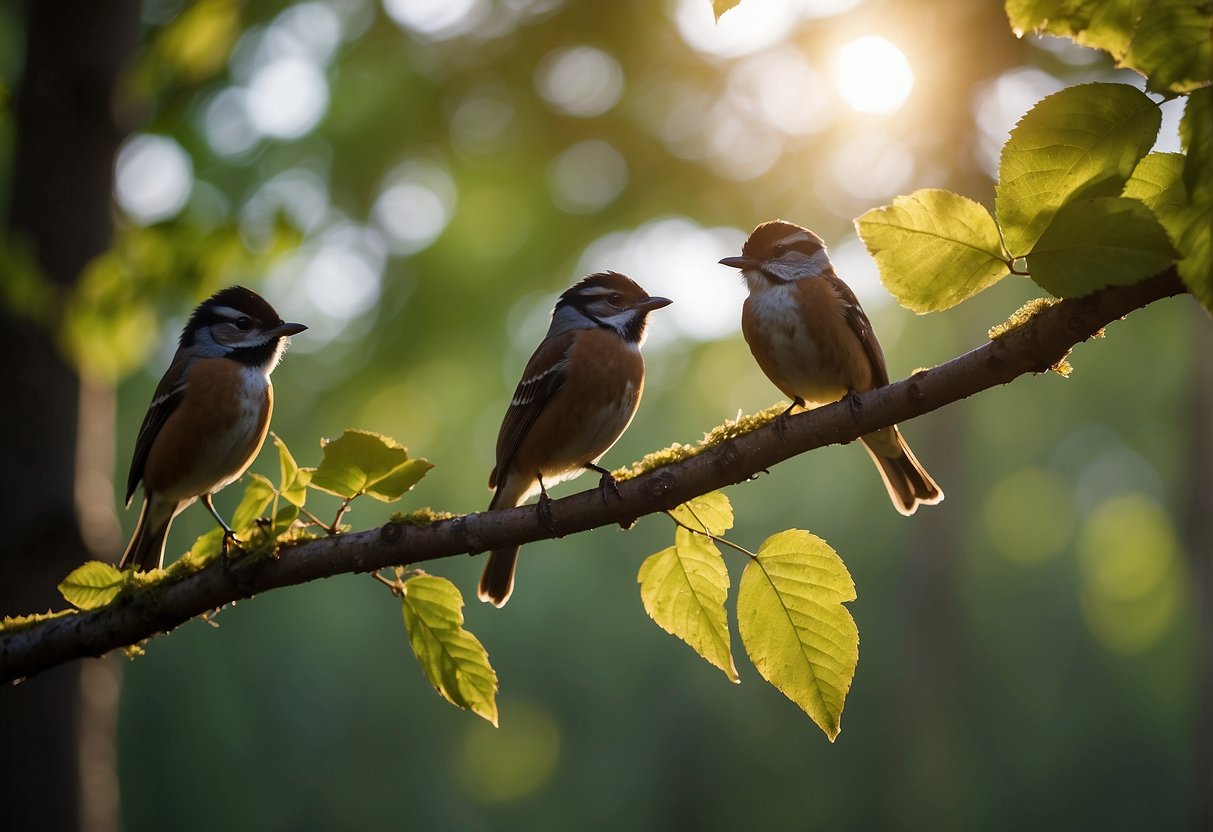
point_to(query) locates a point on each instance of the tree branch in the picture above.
(1033, 347)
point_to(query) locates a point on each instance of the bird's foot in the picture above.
(781, 421)
(606, 482)
(854, 402)
(230, 541)
(544, 509)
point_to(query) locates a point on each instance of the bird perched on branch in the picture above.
(809, 335)
(577, 396)
(208, 417)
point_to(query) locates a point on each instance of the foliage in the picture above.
(789, 613)
(453, 659)
(92, 585)
(1078, 200)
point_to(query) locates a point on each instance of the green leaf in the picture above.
(683, 589)
(1196, 134)
(710, 513)
(719, 7)
(1195, 228)
(1106, 25)
(293, 480)
(206, 547)
(1172, 45)
(1107, 241)
(1157, 181)
(396, 484)
(1079, 143)
(258, 495)
(453, 659)
(92, 585)
(362, 462)
(794, 627)
(934, 248)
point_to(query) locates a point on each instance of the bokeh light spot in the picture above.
(794, 105)
(226, 123)
(587, 177)
(435, 19)
(1128, 553)
(414, 206)
(153, 177)
(666, 257)
(580, 80)
(1029, 515)
(287, 98)
(497, 765)
(873, 75)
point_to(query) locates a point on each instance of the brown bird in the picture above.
(809, 335)
(577, 396)
(208, 417)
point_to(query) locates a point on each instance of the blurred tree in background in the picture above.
(417, 180)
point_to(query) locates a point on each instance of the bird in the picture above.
(208, 417)
(810, 336)
(577, 396)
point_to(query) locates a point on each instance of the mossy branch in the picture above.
(734, 453)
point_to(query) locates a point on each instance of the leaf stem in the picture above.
(317, 521)
(345, 506)
(394, 586)
(709, 535)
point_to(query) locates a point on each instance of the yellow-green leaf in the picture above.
(293, 480)
(1106, 25)
(683, 589)
(1196, 135)
(1159, 183)
(710, 513)
(794, 627)
(934, 248)
(362, 462)
(92, 585)
(453, 659)
(719, 7)
(1172, 45)
(1093, 243)
(1081, 142)
(258, 495)
(206, 548)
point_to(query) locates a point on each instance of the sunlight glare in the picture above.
(153, 178)
(873, 75)
(666, 256)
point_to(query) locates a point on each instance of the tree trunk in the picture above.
(60, 208)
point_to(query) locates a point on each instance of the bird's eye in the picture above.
(613, 298)
(244, 322)
(780, 250)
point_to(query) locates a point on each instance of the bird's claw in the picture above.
(781, 421)
(229, 540)
(607, 483)
(854, 402)
(544, 511)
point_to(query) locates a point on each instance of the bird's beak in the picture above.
(652, 303)
(740, 262)
(283, 330)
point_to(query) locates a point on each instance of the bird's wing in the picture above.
(543, 377)
(862, 328)
(168, 396)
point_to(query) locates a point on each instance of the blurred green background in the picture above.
(417, 180)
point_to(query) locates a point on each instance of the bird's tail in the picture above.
(497, 580)
(908, 482)
(146, 549)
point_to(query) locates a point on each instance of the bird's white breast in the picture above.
(785, 346)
